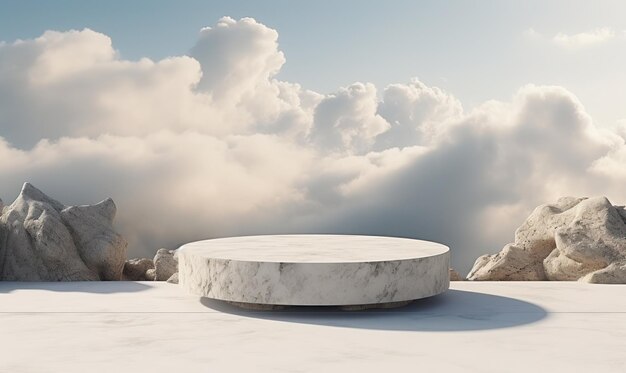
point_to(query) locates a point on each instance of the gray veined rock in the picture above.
(164, 267)
(572, 239)
(99, 246)
(43, 240)
(165, 264)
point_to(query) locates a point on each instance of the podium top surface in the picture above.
(314, 248)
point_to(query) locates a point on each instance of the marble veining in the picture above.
(314, 269)
(314, 248)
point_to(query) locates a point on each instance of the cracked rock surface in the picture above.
(572, 239)
(43, 240)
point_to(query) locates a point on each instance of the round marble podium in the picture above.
(314, 270)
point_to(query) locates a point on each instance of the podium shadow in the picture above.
(96, 287)
(452, 311)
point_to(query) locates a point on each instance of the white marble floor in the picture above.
(156, 327)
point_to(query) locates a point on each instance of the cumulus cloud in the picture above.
(212, 144)
(237, 58)
(416, 114)
(347, 120)
(583, 39)
(576, 41)
(478, 181)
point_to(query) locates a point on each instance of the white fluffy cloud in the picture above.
(416, 114)
(579, 40)
(212, 144)
(348, 119)
(583, 39)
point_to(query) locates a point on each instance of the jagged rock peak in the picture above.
(48, 241)
(29, 192)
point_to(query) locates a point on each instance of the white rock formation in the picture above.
(173, 279)
(165, 264)
(164, 267)
(575, 238)
(43, 240)
(615, 273)
(102, 250)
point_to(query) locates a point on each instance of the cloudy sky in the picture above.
(443, 121)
